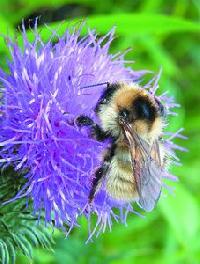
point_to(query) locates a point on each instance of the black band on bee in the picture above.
(110, 152)
(98, 133)
(107, 95)
(95, 130)
(101, 172)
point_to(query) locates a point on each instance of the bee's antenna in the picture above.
(103, 83)
(93, 85)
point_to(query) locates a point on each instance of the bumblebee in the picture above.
(133, 120)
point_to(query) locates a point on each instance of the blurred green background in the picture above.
(161, 33)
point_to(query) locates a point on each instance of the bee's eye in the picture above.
(124, 114)
(143, 109)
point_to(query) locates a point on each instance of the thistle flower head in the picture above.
(42, 96)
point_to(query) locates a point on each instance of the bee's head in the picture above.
(122, 103)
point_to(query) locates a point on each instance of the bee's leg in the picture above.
(101, 172)
(96, 130)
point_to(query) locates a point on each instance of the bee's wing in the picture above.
(149, 184)
(147, 170)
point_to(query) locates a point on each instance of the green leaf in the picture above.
(4, 255)
(160, 56)
(150, 6)
(19, 230)
(126, 24)
(43, 237)
(29, 232)
(6, 30)
(22, 245)
(15, 12)
(182, 212)
(142, 23)
(11, 250)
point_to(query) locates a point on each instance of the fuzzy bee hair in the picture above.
(122, 99)
(133, 120)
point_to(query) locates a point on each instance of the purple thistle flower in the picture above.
(42, 96)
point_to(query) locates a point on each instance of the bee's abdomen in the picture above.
(120, 182)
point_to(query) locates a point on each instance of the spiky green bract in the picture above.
(19, 229)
